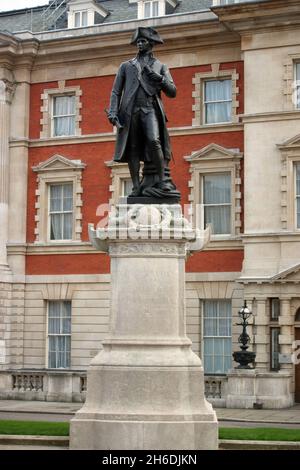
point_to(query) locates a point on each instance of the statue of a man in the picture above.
(137, 111)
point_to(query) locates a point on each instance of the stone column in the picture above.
(262, 335)
(145, 389)
(6, 94)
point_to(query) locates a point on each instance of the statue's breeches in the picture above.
(144, 134)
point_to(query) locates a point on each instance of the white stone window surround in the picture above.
(80, 6)
(119, 173)
(290, 157)
(47, 108)
(81, 17)
(161, 7)
(198, 94)
(57, 170)
(216, 159)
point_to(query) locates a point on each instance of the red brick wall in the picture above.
(67, 264)
(96, 94)
(215, 261)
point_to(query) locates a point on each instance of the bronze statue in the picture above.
(137, 111)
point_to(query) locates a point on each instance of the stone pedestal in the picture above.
(250, 388)
(145, 389)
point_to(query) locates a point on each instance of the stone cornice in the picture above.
(259, 15)
(113, 39)
(110, 136)
(271, 116)
(14, 52)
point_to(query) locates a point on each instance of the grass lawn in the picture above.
(260, 434)
(42, 428)
(34, 428)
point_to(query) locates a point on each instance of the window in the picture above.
(274, 309)
(297, 205)
(61, 111)
(61, 211)
(217, 352)
(274, 348)
(151, 9)
(59, 334)
(216, 97)
(215, 192)
(81, 18)
(217, 101)
(216, 198)
(63, 115)
(126, 186)
(297, 85)
(58, 206)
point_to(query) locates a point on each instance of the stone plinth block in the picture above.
(145, 388)
(247, 388)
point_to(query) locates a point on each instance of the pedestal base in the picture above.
(250, 388)
(92, 434)
(145, 389)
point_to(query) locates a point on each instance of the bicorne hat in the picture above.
(147, 33)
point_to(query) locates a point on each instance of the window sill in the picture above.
(73, 247)
(228, 243)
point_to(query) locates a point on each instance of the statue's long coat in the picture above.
(125, 86)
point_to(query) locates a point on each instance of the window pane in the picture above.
(220, 219)
(126, 187)
(218, 90)
(63, 105)
(56, 226)
(67, 197)
(66, 309)
(298, 194)
(64, 126)
(55, 198)
(77, 19)
(298, 71)
(217, 189)
(147, 9)
(59, 352)
(84, 18)
(217, 112)
(298, 180)
(155, 9)
(275, 348)
(275, 309)
(67, 229)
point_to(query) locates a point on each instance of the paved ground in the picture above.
(56, 411)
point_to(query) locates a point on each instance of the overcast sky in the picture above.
(19, 4)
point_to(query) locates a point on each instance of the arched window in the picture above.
(297, 316)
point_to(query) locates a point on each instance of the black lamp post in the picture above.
(244, 357)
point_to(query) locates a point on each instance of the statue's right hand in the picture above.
(112, 118)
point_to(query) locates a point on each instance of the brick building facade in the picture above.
(233, 128)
